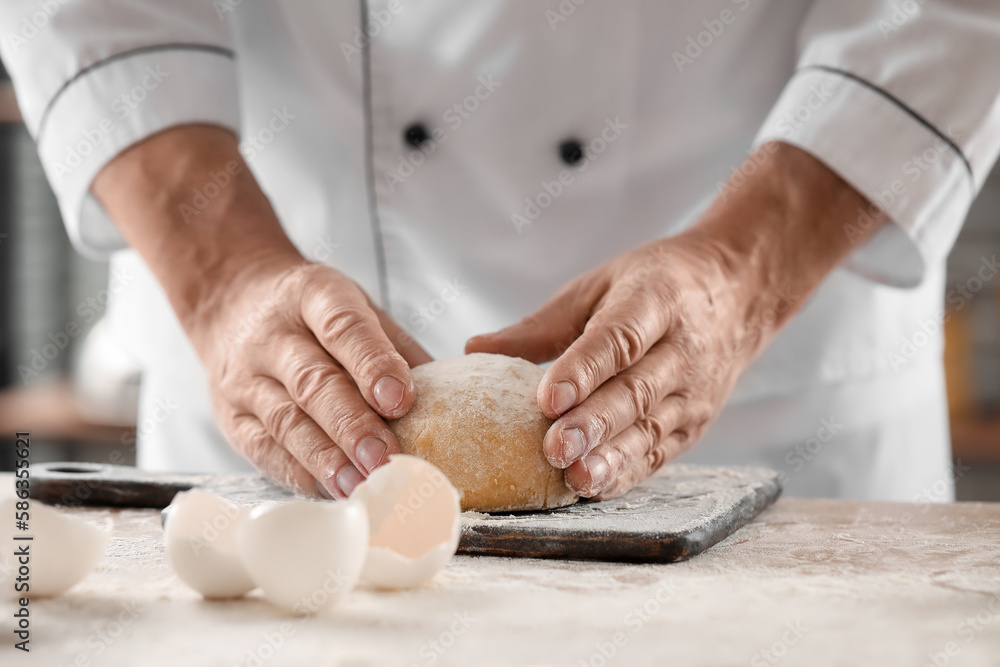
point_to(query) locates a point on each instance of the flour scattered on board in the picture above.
(677, 499)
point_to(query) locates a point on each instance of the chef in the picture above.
(722, 222)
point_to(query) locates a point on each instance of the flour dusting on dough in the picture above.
(476, 417)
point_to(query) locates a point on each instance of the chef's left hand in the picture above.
(648, 346)
(639, 333)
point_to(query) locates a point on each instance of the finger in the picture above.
(645, 444)
(350, 331)
(296, 432)
(270, 459)
(614, 406)
(323, 390)
(545, 334)
(615, 338)
(669, 449)
(405, 344)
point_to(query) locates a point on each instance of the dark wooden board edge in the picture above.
(624, 547)
(706, 537)
(90, 485)
(78, 493)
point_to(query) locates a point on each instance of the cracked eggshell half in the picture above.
(64, 548)
(304, 554)
(415, 522)
(200, 538)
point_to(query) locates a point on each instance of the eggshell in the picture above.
(200, 537)
(305, 555)
(414, 516)
(64, 549)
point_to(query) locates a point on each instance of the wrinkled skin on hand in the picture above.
(648, 346)
(647, 349)
(302, 367)
(303, 370)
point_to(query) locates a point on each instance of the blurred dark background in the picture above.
(66, 390)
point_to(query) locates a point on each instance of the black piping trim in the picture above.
(209, 48)
(366, 88)
(902, 105)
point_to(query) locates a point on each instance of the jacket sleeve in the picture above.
(902, 99)
(93, 77)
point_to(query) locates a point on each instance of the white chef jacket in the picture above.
(480, 223)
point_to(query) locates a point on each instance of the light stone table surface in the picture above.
(809, 582)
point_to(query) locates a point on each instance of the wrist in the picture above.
(778, 232)
(236, 242)
(186, 201)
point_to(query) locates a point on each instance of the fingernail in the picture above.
(574, 444)
(348, 478)
(389, 393)
(371, 451)
(563, 396)
(323, 491)
(329, 487)
(598, 470)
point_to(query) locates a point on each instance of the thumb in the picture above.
(546, 333)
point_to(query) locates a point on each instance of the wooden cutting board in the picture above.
(673, 516)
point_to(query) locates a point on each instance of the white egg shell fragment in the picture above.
(414, 516)
(305, 555)
(64, 549)
(200, 537)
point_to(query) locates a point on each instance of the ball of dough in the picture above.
(477, 419)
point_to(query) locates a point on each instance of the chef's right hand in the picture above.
(303, 368)
(302, 374)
